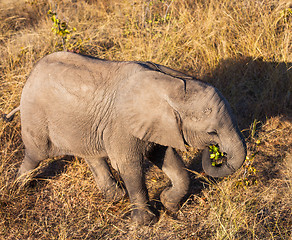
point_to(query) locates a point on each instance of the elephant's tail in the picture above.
(9, 117)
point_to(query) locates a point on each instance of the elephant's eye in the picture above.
(213, 133)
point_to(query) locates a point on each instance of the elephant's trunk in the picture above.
(234, 147)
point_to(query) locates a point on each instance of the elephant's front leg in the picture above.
(172, 165)
(133, 176)
(126, 157)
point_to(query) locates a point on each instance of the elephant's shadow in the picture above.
(255, 89)
(50, 170)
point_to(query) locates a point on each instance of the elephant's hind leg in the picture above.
(28, 164)
(37, 148)
(172, 165)
(104, 179)
(34, 154)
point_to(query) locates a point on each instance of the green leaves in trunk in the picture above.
(216, 156)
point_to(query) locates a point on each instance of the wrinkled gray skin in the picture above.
(125, 111)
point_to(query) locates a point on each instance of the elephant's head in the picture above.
(207, 119)
(174, 112)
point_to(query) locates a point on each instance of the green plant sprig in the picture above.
(216, 156)
(61, 28)
(250, 174)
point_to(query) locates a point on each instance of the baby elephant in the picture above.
(125, 111)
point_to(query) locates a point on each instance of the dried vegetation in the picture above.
(241, 47)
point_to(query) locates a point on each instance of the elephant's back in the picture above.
(75, 80)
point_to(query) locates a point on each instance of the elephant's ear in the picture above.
(146, 106)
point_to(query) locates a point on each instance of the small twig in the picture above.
(167, 9)
(119, 229)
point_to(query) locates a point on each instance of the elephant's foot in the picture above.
(21, 179)
(170, 200)
(114, 194)
(18, 183)
(143, 216)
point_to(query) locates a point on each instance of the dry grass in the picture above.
(241, 47)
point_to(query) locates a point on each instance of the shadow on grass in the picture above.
(55, 168)
(51, 170)
(255, 89)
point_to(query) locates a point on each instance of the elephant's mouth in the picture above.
(224, 164)
(218, 162)
(216, 168)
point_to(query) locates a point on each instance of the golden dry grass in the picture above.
(241, 47)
